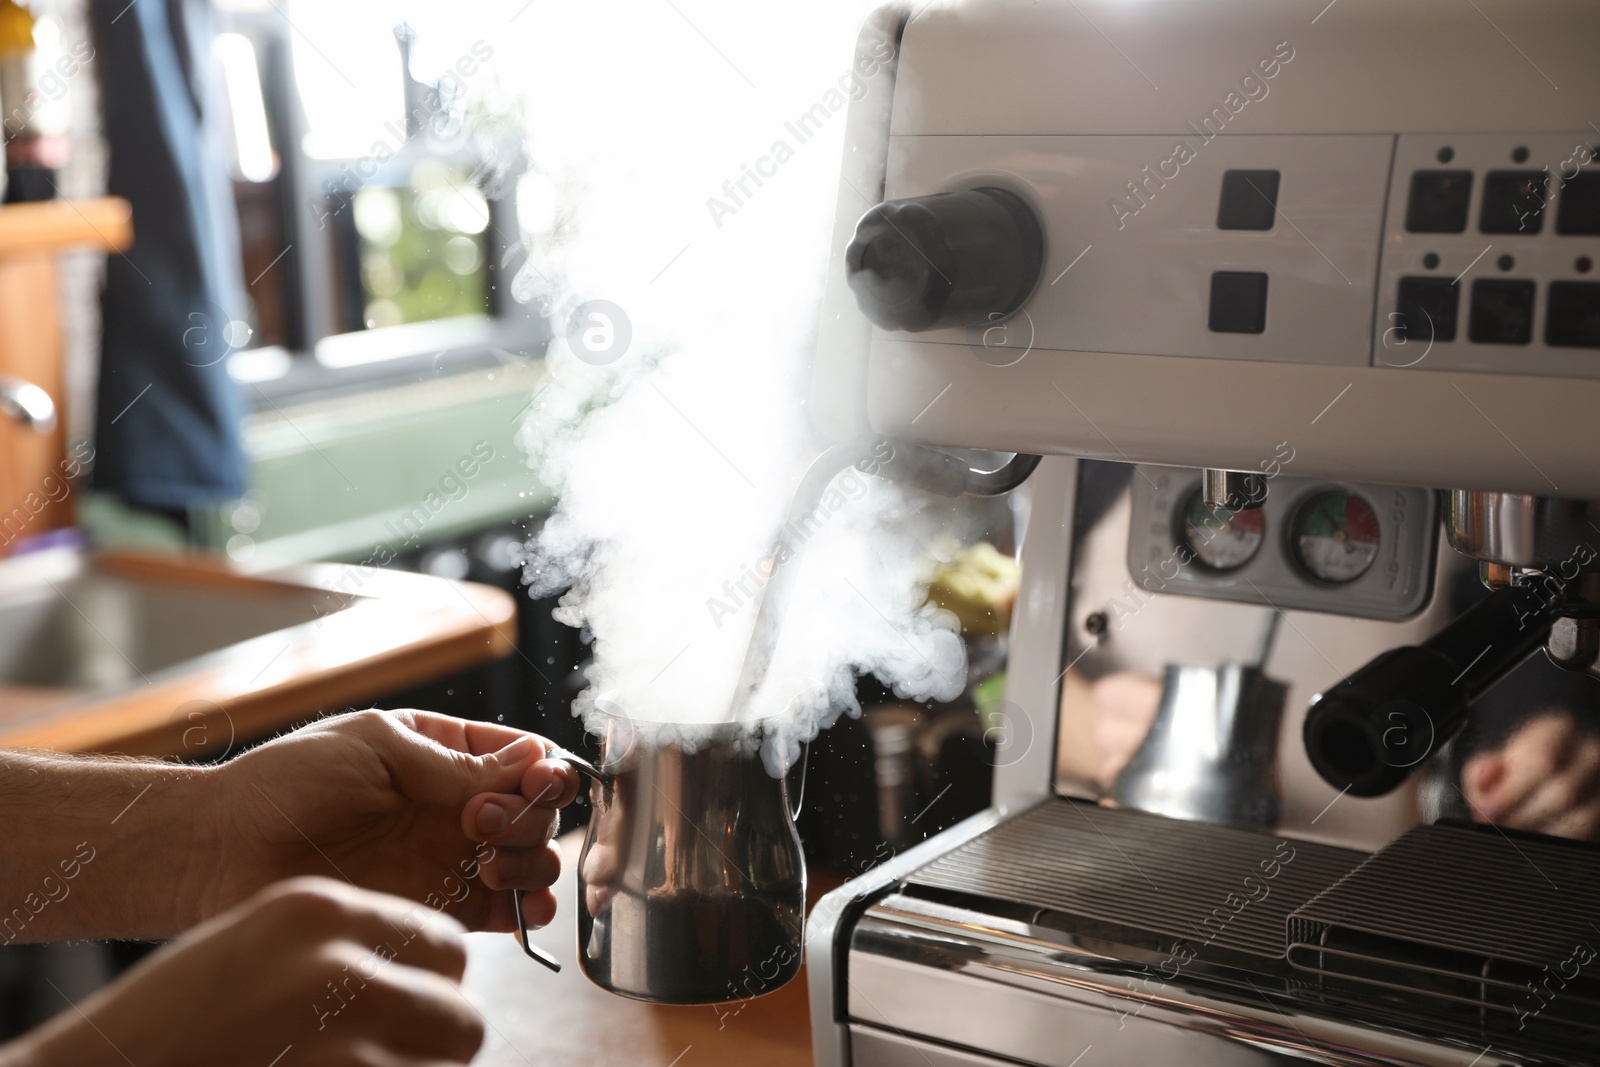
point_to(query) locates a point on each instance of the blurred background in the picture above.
(275, 267)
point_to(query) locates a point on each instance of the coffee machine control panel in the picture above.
(1424, 252)
(1373, 232)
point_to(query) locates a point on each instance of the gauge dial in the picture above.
(1335, 536)
(1221, 539)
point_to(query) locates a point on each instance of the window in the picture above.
(376, 186)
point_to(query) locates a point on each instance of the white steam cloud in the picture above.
(678, 189)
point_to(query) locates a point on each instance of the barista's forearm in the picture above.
(102, 847)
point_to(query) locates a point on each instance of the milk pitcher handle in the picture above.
(534, 952)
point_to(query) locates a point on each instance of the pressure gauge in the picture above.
(1220, 539)
(1334, 536)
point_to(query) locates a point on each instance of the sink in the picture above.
(67, 624)
(184, 656)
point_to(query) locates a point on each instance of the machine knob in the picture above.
(951, 259)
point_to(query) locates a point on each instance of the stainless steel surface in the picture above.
(27, 404)
(961, 979)
(1523, 530)
(1233, 490)
(890, 1049)
(1124, 516)
(1060, 929)
(1146, 877)
(1074, 935)
(66, 624)
(1465, 922)
(691, 885)
(1574, 644)
(829, 924)
(1212, 753)
(1025, 757)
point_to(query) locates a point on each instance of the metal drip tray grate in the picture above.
(1133, 873)
(1495, 929)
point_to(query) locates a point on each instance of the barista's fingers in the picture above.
(469, 736)
(1572, 788)
(1125, 706)
(539, 908)
(539, 905)
(1581, 823)
(1554, 796)
(506, 820)
(1533, 754)
(521, 868)
(550, 783)
(1481, 774)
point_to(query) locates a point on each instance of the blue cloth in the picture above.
(167, 427)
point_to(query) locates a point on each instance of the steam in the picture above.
(677, 456)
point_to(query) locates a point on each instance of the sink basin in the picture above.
(181, 655)
(68, 624)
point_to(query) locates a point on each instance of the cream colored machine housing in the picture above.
(1116, 122)
(1079, 108)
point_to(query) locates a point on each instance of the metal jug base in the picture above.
(696, 951)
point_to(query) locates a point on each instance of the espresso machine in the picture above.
(1297, 303)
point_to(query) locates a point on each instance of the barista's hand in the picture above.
(420, 805)
(1546, 778)
(258, 981)
(1125, 706)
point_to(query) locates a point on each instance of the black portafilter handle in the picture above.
(1370, 732)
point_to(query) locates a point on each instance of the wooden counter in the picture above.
(536, 1017)
(370, 632)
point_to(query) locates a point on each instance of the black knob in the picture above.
(951, 259)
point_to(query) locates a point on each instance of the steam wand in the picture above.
(924, 468)
(785, 564)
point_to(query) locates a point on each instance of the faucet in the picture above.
(27, 403)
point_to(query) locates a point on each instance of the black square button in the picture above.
(1578, 213)
(1502, 312)
(1513, 201)
(1238, 301)
(1249, 200)
(1439, 200)
(1573, 318)
(1426, 310)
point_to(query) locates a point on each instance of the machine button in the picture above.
(1238, 301)
(1502, 312)
(1439, 200)
(1249, 200)
(1573, 318)
(1578, 213)
(1513, 201)
(1426, 309)
(950, 259)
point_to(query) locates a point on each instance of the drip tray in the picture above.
(1142, 879)
(1478, 925)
